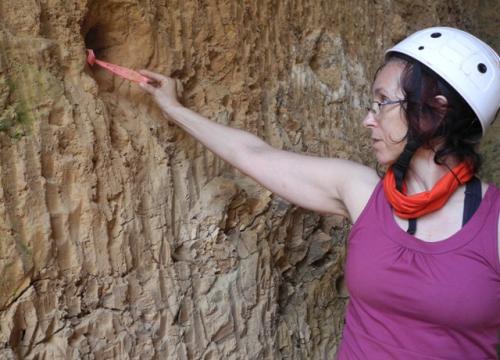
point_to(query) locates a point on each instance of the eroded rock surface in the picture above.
(123, 238)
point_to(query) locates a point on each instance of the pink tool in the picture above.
(121, 71)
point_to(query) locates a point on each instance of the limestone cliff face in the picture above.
(120, 236)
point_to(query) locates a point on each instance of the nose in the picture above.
(369, 120)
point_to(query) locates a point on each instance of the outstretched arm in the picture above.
(322, 184)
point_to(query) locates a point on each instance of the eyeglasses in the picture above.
(376, 106)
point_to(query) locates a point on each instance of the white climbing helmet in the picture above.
(469, 65)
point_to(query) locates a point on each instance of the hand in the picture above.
(163, 89)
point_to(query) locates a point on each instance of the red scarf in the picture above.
(417, 205)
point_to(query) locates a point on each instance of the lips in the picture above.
(375, 141)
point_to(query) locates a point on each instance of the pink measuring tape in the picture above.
(121, 71)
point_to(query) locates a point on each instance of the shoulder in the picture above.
(357, 189)
(496, 199)
(498, 237)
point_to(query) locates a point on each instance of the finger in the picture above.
(150, 89)
(153, 75)
(154, 83)
(179, 89)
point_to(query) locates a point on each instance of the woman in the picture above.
(423, 259)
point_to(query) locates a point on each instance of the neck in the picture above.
(423, 173)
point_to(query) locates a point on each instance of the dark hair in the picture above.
(454, 124)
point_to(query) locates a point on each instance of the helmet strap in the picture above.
(399, 168)
(403, 162)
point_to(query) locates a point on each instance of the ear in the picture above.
(441, 101)
(441, 105)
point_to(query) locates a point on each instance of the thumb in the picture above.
(147, 87)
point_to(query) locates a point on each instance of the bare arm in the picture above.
(322, 184)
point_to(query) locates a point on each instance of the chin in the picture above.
(385, 160)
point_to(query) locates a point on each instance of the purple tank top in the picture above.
(411, 299)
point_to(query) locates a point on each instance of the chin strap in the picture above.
(399, 168)
(400, 173)
(403, 162)
(412, 145)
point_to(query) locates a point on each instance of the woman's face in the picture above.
(389, 126)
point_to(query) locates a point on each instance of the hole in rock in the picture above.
(94, 41)
(119, 34)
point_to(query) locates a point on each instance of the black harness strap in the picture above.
(472, 201)
(412, 226)
(473, 198)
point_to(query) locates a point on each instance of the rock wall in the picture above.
(123, 238)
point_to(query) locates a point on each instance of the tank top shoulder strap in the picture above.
(486, 240)
(370, 209)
